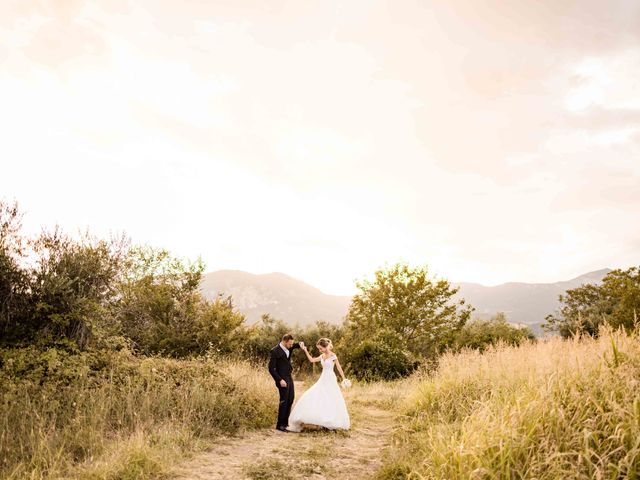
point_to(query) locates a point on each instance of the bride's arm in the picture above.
(339, 367)
(311, 359)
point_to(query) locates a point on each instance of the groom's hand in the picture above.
(283, 384)
(302, 345)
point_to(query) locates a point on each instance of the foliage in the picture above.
(56, 289)
(160, 307)
(53, 287)
(310, 335)
(61, 411)
(14, 285)
(380, 359)
(614, 302)
(220, 327)
(257, 340)
(405, 303)
(72, 286)
(480, 334)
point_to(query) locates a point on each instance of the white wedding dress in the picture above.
(323, 404)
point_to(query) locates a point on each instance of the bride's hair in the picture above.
(325, 343)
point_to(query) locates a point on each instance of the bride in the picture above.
(323, 404)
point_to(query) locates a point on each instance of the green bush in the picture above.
(106, 293)
(14, 284)
(54, 287)
(480, 334)
(256, 341)
(373, 360)
(614, 302)
(59, 408)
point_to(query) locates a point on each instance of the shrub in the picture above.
(72, 287)
(256, 341)
(159, 301)
(106, 293)
(480, 334)
(54, 287)
(614, 302)
(59, 408)
(373, 360)
(14, 284)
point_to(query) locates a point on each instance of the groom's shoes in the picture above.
(282, 429)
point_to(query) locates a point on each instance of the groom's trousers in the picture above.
(286, 400)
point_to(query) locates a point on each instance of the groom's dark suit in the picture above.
(280, 369)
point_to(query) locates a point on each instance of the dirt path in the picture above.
(269, 454)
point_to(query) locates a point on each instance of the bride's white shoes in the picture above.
(323, 404)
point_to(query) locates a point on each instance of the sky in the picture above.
(493, 141)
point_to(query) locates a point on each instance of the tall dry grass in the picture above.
(116, 416)
(548, 410)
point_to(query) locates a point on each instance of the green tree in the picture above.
(259, 338)
(615, 301)
(310, 334)
(219, 326)
(413, 307)
(479, 334)
(160, 302)
(55, 288)
(88, 292)
(72, 287)
(14, 285)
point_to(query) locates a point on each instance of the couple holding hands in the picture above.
(323, 404)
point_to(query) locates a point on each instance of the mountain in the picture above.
(294, 301)
(277, 294)
(525, 303)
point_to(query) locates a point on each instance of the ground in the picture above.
(270, 454)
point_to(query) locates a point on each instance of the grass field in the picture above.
(548, 410)
(552, 409)
(115, 416)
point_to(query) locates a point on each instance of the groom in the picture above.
(280, 369)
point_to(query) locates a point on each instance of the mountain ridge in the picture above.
(523, 303)
(277, 294)
(297, 302)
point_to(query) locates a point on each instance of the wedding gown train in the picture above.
(323, 404)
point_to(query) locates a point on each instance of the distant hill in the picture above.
(294, 301)
(278, 294)
(526, 303)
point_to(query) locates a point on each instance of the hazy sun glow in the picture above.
(493, 142)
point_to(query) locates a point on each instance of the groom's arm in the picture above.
(294, 346)
(272, 367)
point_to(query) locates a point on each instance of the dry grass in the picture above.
(383, 395)
(115, 416)
(548, 410)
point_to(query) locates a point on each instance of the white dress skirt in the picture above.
(323, 404)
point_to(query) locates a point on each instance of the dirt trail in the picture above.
(269, 454)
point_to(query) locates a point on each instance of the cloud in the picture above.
(495, 140)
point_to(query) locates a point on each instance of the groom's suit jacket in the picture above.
(279, 364)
